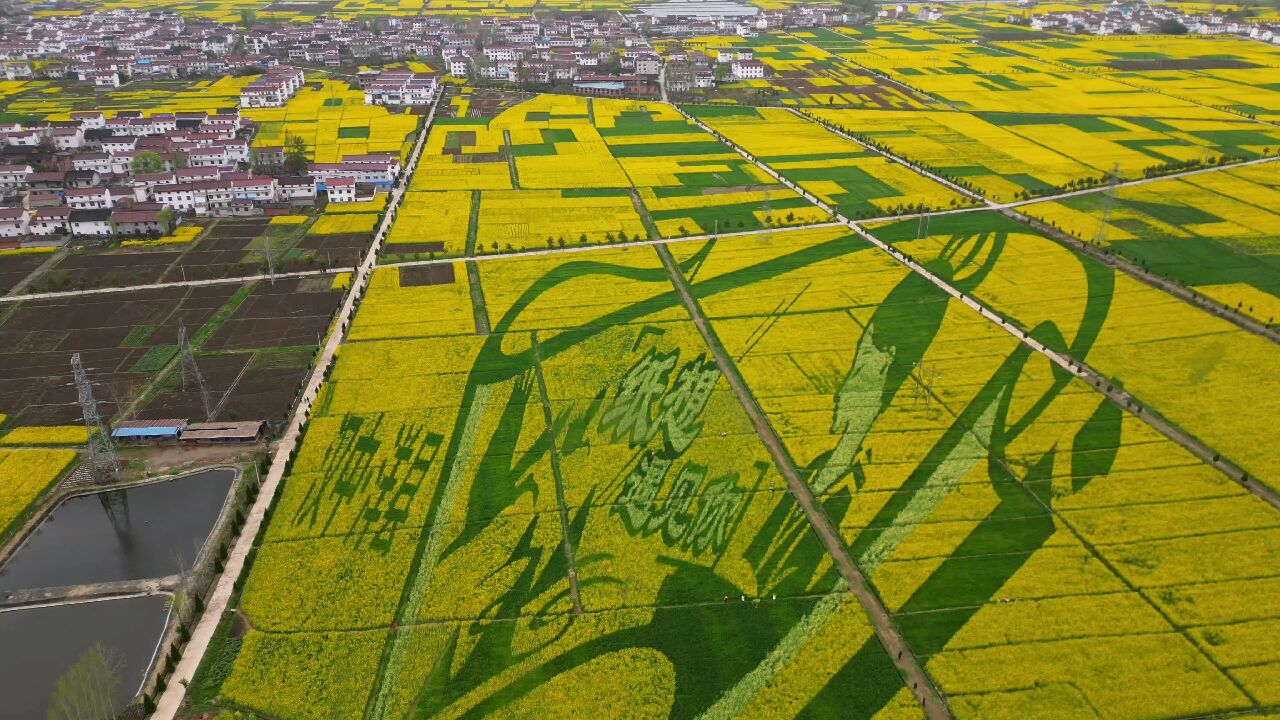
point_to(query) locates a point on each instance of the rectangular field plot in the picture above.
(1010, 155)
(220, 248)
(553, 171)
(1214, 232)
(253, 343)
(433, 223)
(293, 311)
(332, 119)
(854, 180)
(800, 72)
(527, 219)
(144, 94)
(422, 301)
(1146, 53)
(16, 268)
(124, 339)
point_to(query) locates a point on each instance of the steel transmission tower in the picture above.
(768, 217)
(924, 377)
(191, 371)
(1108, 203)
(271, 263)
(103, 462)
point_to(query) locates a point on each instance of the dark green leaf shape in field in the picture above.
(1094, 449)
(785, 554)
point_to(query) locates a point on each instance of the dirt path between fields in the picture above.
(21, 286)
(885, 628)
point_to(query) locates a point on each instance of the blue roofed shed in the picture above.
(144, 431)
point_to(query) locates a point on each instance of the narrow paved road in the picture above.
(557, 474)
(170, 702)
(885, 628)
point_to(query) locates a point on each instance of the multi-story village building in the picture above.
(399, 88)
(273, 88)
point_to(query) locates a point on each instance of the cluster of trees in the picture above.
(864, 8)
(1174, 167)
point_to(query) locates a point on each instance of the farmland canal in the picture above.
(95, 572)
(139, 532)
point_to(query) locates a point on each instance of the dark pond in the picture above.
(40, 644)
(142, 532)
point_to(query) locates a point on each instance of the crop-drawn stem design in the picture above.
(554, 451)
(885, 628)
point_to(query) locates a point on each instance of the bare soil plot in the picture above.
(14, 268)
(123, 339)
(88, 270)
(288, 312)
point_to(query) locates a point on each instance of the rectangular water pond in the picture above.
(131, 534)
(40, 644)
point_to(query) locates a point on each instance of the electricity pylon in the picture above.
(103, 462)
(191, 372)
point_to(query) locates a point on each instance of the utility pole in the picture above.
(191, 371)
(271, 263)
(1108, 203)
(768, 216)
(103, 462)
(924, 377)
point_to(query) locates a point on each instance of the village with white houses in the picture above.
(127, 174)
(132, 175)
(579, 51)
(1146, 18)
(110, 48)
